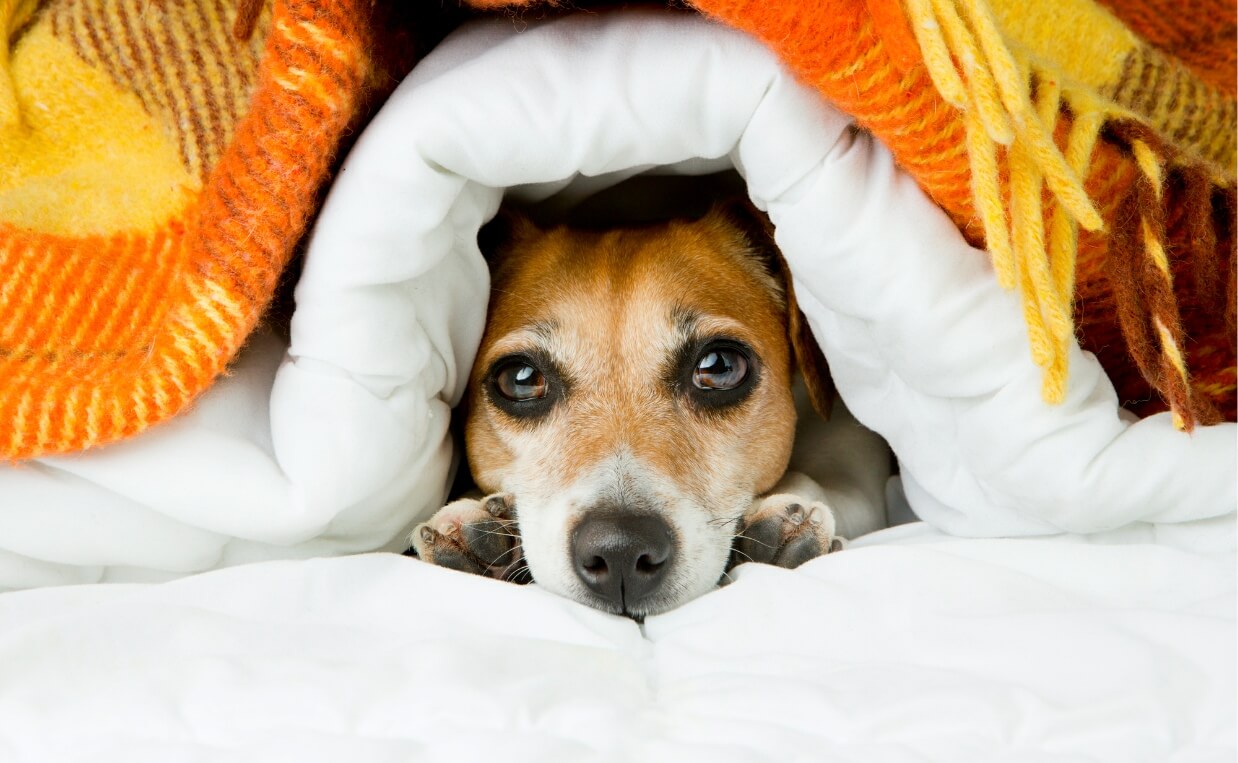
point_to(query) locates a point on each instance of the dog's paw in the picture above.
(786, 531)
(476, 536)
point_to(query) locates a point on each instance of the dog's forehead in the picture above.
(616, 313)
(623, 285)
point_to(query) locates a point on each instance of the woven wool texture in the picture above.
(1147, 289)
(161, 160)
(158, 169)
(1090, 147)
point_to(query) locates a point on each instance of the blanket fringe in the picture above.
(1011, 108)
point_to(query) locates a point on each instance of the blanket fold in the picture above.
(1028, 123)
(339, 442)
(1090, 147)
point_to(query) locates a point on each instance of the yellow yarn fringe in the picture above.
(1007, 102)
(13, 16)
(1152, 165)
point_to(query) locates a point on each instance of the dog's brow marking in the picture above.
(544, 329)
(685, 319)
(541, 333)
(690, 324)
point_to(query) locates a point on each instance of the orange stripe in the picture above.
(53, 411)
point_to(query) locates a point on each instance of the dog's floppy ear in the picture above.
(808, 356)
(813, 367)
(508, 229)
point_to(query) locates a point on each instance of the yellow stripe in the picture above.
(1153, 247)
(1171, 348)
(1149, 163)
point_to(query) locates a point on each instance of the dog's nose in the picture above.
(622, 557)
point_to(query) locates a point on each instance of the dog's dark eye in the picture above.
(519, 382)
(712, 375)
(720, 368)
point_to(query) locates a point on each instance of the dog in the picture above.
(630, 417)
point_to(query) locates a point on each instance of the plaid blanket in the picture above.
(1090, 148)
(159, 163)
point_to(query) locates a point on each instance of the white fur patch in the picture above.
(548, 512)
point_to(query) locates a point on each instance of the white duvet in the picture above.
(339, 443)
(911, 646)
(919, 648)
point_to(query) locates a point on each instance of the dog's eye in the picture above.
(720, 368)
(518, 381)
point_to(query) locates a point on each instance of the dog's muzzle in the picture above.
(622, 557)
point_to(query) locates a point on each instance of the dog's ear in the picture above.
(808, 356)
(814, 369)
(509, 228)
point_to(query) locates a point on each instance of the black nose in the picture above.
(622, 557)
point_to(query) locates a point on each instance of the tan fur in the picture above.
(610, 300)
(618, 320)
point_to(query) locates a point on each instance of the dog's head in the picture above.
(633, 393)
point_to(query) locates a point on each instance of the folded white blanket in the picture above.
(346, 445)
(929, 650)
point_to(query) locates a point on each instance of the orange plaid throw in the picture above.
(159, 161)
(1090, 147)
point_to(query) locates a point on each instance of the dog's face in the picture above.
(632, 393)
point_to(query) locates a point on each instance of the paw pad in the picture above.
(475, 536)
(785, 531)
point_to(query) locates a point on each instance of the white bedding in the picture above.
(913, 647)
(339, 443)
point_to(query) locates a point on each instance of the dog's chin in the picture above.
(704, 546)
(672, 595)
(638, 611)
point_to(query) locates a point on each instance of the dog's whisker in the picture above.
(498, 533)
(518, 572)
(513, 549)
(747, 558)
(754, 540)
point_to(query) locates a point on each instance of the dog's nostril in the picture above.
(645, 564)
(596, 565)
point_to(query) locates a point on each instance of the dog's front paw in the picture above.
(477, 536)
(786, 531)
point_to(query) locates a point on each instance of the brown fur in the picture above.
(611, 327)
(606, 297)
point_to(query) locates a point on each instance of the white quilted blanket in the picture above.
(911, 646)
(342, 445)
(929, 649)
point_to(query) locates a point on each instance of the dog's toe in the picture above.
(500, 505)
(760, 540)
(474, 536)
(798, 550)
(443, 550)
(786, 531)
